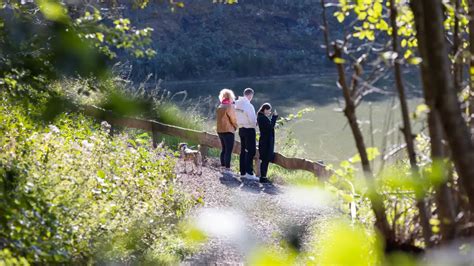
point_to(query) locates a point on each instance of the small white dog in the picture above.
(192, 159)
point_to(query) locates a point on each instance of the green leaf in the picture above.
(422, 109)
(415, 60)
(340, 16)
(372, 153)
(434, 221)
(100, 36)
(471, 71)
(101, 174)
(339, 60)
(382, 25)
(378, 9)
(53, 10)
(408, 54)
(362, 16)
(404, 43)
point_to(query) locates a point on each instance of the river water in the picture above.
(323, 134)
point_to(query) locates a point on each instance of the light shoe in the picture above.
(228, 171)
(252, 177)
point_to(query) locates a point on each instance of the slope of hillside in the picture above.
(205, 40)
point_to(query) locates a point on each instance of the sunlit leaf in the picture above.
(339, 60)
(415, 60)
(372, 153)
(53, 10)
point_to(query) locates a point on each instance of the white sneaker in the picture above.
(228, 171)
(252, 177)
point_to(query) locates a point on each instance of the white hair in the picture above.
(226, 94)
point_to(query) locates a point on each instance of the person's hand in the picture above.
(275, 112)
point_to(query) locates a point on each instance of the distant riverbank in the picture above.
(323, 133)
(242, 79)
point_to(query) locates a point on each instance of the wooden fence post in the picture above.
(204, 149)
(155, 135)
(257, 166)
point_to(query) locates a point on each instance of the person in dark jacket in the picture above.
(266, 143)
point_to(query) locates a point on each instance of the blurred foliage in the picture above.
(343, 243)
(61, 40)
(268, 256)
(372, 21)
(403, 187)
(8, 259)
(69, 192)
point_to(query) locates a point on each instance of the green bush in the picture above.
(69, 192)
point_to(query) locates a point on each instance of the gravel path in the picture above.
(240, 215)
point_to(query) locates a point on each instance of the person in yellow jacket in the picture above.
(226, 127)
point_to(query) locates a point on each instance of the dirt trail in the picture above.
(241, 215)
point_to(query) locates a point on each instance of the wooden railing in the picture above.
(206, 140)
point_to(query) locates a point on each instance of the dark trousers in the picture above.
(227, 143)
(264, 168)
(247, 150)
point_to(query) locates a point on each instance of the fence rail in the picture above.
(205, 139)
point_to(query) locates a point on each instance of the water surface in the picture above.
(323, 134)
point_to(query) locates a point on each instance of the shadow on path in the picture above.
(230, 181)
(249, 186)
(256, 187)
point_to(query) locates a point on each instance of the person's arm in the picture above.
(264, 124)
(233, 117)
(252, 115)
(274, 120)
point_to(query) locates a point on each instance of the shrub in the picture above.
(69, 192)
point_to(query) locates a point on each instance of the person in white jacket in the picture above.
(247, 121)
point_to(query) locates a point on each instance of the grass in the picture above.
(291, 177)
(170, 113)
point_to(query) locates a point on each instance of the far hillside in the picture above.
(205, 40)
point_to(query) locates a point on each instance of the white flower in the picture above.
(87, 145)
(105, 126)
(54, 129)
(101, 181)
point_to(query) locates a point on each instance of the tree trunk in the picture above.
(444, 96)
(326, 28)
(376, 199)
(471, 64)
(444, 198)
(457, 64)
(407, 132)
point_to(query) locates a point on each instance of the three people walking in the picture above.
(241, 115)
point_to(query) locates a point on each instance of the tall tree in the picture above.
(407, 132)
(441, 83)
(375, 198)
(471, 62)
(444, 199)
